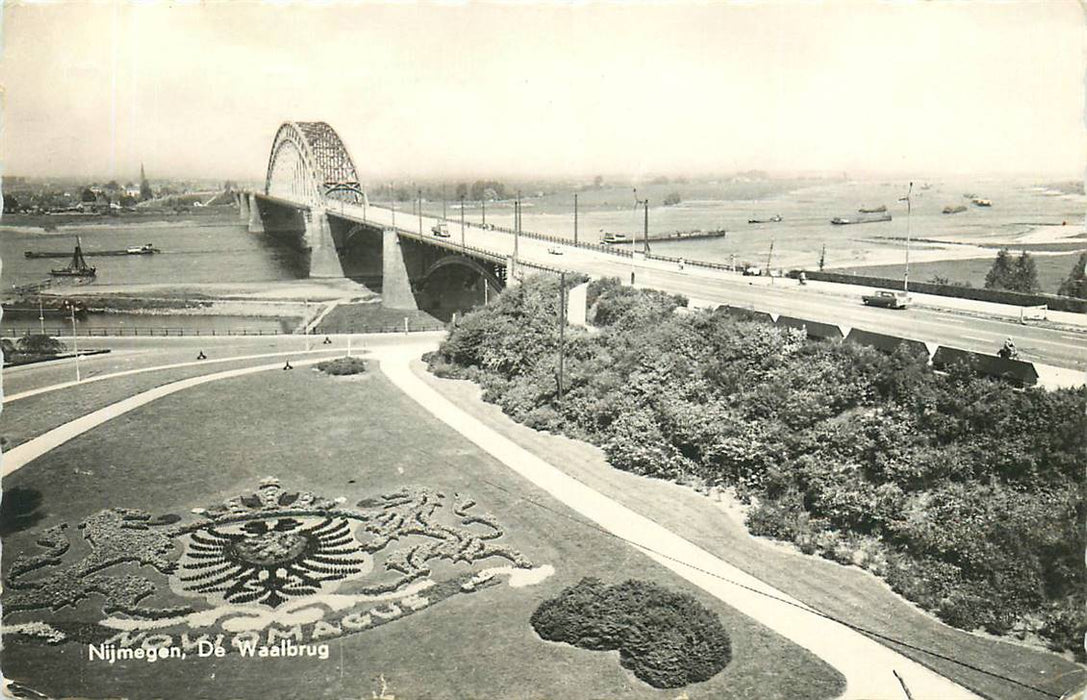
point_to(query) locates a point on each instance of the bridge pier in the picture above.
(324, 259)
(395, 281)
(256, 224)
(243, 207)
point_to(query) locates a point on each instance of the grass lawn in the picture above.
(374, 318)
(357, 438)
(32, 416)
(847, 593)
(1052, 270)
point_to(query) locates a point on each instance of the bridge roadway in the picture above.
(1053, 346)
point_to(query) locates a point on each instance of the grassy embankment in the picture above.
(1052, 270)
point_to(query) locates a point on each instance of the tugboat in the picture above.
(772, 220)
(78, 267)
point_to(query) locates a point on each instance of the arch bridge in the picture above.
(312, 191)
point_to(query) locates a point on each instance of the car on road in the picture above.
(440, 230)
(887, 298)
(555, 250)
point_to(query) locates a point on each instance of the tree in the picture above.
(87, 195)
(40, 345)
(1076, 284)
(1025, 278)
(1002, 274)
(671, 199)
(598, 181)
(462, 191)
(112, 186)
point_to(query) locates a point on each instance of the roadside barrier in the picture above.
(886, 343)
(814, 329)
(1017, 372)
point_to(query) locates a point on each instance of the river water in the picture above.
(219, 249)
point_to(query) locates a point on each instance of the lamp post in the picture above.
(41, 316)
(462, 243)
(906, 276)
(419, 203)
(392, 203)
(516, 223)
(562, 331)
(75, 342)
(575, 218)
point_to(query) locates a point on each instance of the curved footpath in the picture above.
(870, 669)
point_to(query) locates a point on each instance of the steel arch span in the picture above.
(309, 164)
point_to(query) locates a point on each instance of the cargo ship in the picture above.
(846, 220)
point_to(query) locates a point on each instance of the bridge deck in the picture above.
(835, 304)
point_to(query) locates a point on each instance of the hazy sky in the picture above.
(476, 89)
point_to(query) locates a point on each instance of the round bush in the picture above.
(342, 366)
(667, 639)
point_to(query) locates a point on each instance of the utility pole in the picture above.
(483, 203)
(516, 223)
(462, 243)
(562, 331)
(645, 232)
(419, 201)
(906, 276)
(41, 316)
(575, 218)
(769, 257)
(443, 201)
(392, 200)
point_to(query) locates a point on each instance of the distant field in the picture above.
(1052, 270)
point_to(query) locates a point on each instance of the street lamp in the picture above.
(906, 276)
(75, 342)
(462, 243)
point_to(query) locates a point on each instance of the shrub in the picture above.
(40, 345)
(342, 366)
(667, 639)
(961, 489)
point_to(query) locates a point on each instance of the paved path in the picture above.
(158, 368)
(868, 666)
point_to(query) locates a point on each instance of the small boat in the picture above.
(615, 238)
(978, 201)
(78, 267)
(772, 220)
(956, 209)
(845, 220)
(873, 210)
(146, 249)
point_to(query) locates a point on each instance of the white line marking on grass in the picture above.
(177, 365)
(30, 450)
(868, 666)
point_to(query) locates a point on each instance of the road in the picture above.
(1058, 347)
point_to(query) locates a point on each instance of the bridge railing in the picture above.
(588, 245)
(158, 332)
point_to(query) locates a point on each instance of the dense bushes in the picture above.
(962, 492)
(342, 366)
(666, 639)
